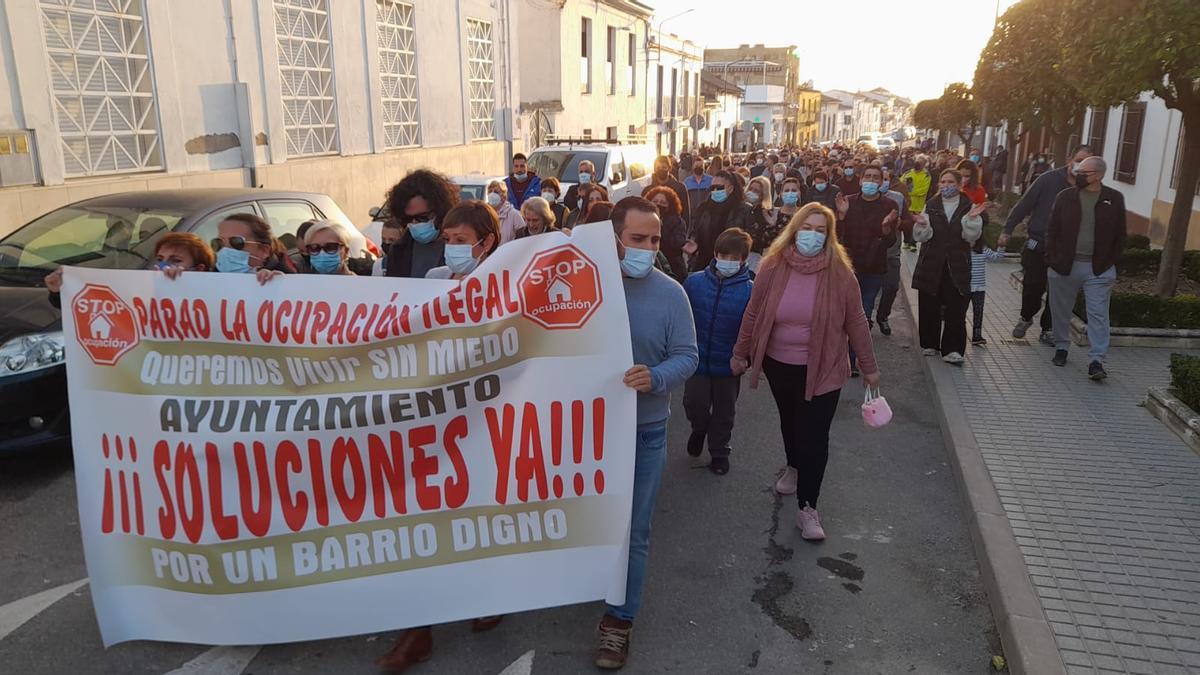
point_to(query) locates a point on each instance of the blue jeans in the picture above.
(647, 474)
(869, 285)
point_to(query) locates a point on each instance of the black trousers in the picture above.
(977, 300)
(804, 425)
(942, 318)
(1033, 286)
(710, 403)
(891, 286)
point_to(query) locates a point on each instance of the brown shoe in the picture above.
(612, 642)
(485, 623)
(412, 647)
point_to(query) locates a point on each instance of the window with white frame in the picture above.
(397, 74)
(101, 86)
(610, 67)
(306, 77)
(481, 79)
(585, 56)
(631, 75)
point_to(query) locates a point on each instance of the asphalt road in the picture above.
(731, 589)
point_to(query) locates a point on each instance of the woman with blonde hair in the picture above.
(327, 244)
(805, 308)
(765, 221)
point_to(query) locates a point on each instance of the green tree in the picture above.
(959, 111)
(1122, 48)
(1020, 71)
(927, 114)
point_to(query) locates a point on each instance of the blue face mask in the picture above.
(325, 263)
(585, 178)
(230, 259)
(810, 242)
(870, 188)
(718, 196)
(791, 198)
(820, 186)
(637, 262)
(949, 192)
(460, 258)
(848, 171)
(727, 268)
(521, 176)
(975, 158)
(424, 232)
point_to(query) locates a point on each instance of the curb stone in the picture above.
(1029, 645)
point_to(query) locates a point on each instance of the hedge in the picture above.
(1138, 241)
(1137, 262)
(1141, 310)
(1185, 379)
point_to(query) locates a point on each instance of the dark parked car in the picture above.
(111, 232)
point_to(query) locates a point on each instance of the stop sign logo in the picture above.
(560, 288)
(104, 324)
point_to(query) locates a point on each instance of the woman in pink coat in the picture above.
(806, 307)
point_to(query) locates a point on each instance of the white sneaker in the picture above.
(954, 358)
(786, 485)
(930, 352)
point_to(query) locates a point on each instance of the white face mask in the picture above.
(549, 197)
(493, 198)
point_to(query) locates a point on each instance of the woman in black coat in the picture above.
(947, 230)
(674, 231)
(725, 208)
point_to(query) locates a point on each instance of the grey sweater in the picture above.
(664, 339)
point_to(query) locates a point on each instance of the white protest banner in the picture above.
(327, 455)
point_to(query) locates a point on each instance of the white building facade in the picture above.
(584, 67)
(1142, 143)
(335, 96)
(837, 120)
(674, 92)
(722, 112)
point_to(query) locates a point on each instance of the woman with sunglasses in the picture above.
(419, 203)
(245, 245)
(327, 244)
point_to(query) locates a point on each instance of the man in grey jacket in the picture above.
(1036, 204)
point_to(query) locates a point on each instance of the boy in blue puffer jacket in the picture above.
(719, 295)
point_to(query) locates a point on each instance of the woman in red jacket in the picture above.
(805, 309)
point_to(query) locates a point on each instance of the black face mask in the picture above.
(1081, 182)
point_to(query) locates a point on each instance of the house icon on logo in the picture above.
(559, 290)
(100, 327)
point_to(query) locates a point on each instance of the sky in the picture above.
(912, 47)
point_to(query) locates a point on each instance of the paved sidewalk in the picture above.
(1103, 499)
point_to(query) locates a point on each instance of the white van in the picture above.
(623, 169)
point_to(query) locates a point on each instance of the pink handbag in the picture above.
(875, 409)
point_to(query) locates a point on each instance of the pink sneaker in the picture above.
(809, 522)
(786, 484)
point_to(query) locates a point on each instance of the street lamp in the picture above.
(660, 26)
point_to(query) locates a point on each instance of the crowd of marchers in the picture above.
(776, 264)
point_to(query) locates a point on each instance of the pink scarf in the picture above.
(827, 352)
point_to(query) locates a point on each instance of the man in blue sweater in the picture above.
(1036, 204)
(664, 356)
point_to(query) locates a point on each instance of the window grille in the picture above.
(101, 85)
(398, 74)
(306, 77)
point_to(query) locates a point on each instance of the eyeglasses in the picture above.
(417, 218)
(331, 247)
(235, 242)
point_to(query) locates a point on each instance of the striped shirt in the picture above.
(978, 269)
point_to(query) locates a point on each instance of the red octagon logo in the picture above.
(560, 288)
(104, 324)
